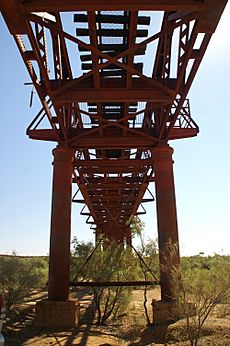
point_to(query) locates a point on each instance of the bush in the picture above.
(81, 252)
(108, 262)
(205, 284)
(19, 276)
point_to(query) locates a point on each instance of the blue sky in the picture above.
(202, 164)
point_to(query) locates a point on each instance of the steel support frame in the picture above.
(165, 105)
(169, 256)
(59, 257)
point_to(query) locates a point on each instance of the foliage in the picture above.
(136, 226)
(149, 269)
(19, 275)
(81, 251)
(205, 284)
(109, 263)
(148, 257)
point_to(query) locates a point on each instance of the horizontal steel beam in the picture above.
(113, 211)
(108, 18)
(11, 11)
(114, 198)
(113, 169)
(100, 180)
(113, 283)
(111, 32)
(113, 186)
(125, 5)
(95, 142)
(112, 163)
(113, 95)
(123, 142)
(112, 142)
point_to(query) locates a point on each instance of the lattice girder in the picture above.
(111, 112)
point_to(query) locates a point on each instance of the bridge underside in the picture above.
(113, 79)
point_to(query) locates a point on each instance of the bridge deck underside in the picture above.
(113, 81)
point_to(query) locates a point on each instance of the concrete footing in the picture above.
(56, 314)
(169, 312)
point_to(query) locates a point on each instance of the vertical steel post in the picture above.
(166, 222)
(59, 259)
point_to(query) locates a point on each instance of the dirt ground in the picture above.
(130, 329)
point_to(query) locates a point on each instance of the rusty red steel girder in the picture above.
(87, 62)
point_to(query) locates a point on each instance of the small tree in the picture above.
(149, 252)
(111, 262)
(18, 276)
(149, 260)
(202, 288)
(79, 255)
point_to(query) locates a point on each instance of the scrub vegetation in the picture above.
(19, 275)
(121, 315)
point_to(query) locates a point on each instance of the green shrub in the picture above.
(108, 262)
(18, 276)
(205, 285)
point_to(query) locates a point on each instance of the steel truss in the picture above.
(91, 78)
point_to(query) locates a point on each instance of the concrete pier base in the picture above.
(170, 312)
(56, 314)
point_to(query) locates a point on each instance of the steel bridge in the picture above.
(112, 78)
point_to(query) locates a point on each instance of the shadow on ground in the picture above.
(19, 331)
(152, 334)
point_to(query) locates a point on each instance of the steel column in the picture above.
(167, 222)
(59, 260)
